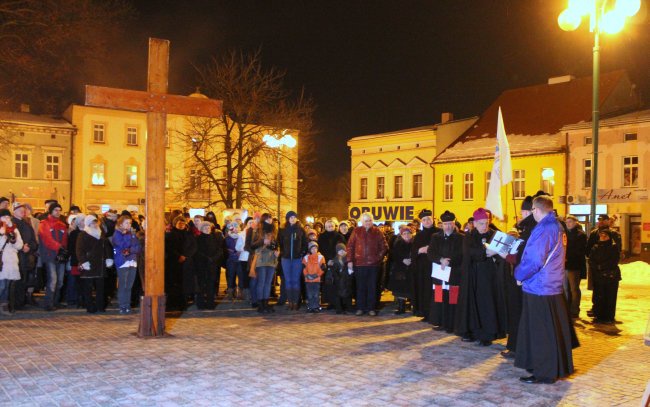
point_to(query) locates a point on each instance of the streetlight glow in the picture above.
(610, 20)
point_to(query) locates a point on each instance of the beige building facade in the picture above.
(623, 175)
(35, 158)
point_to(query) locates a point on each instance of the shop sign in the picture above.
(614, 195)
(388, 212)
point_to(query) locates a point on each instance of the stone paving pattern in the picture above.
(234, 357)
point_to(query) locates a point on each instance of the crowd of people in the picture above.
(529, 296)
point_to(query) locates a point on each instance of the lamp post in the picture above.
(605, 17)
(275, 142)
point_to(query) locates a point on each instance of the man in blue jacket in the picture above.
(546, 335)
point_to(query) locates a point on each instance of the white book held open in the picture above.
(438, 272)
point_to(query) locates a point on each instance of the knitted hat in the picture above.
(53, 207)
(340, 246)
(480, 214)
(424, 213)
(290, 214)
(527, 204)
(447, 217)
(540, 193)
(18, 205)
(604, 216)
(312, 244)
(80, 221)
(4, 212)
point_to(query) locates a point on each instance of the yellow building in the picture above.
(533, 117)
(623, 177)
(109, 164)
(35, 160)
(391, 176)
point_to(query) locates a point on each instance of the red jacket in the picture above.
(367, 247)
(53, 234)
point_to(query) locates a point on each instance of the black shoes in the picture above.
(484, 343)
(438, 328)
(467, 339)
(508, 354)
(536, 380)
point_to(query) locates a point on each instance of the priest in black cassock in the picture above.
(446, 249)
(513, 289)
(481, 313)
(423, 283)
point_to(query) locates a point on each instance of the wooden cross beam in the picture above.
(157, 104)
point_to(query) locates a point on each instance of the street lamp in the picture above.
(272, 141)
(608, 17)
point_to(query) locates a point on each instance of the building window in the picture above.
(417, 186)
(131, 172)
(468, 186)
(52, 166)
(21, 165)
(488, 175)
(519, 184)
(588, 140)
(449, 187)
(380, 187)
(195, 180)
(629, 137)
(363, 188)
(99, 130)
(586, 173)
(631, 171)
(548, 180)
(167, 177)
(98, 171)
(399, 183)
(131, 136)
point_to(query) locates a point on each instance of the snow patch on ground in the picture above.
(637, 272)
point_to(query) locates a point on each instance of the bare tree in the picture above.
(49, 48)
(228, 152)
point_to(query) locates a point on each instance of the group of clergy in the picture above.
(489, 295)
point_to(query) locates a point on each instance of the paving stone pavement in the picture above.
(234, 357)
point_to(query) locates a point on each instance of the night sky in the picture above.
(376, 66)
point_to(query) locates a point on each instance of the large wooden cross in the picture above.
(156, 103)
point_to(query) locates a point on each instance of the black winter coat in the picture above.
(26, 261)
(95, 251)
(342, 279)
(327, 242)
(603, 261)
(576, 250)
(209, 252)
(401, 275)
(293, 241)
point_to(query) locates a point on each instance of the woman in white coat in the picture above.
(10, 243)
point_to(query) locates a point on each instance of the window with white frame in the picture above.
(131, 136)
(380, 188)
(399, 186)
(98, 171)
(417, 186)
(99, 132)
(21, 164)
(586, 173)
(519, 184)
(448, 185)
(548, 180)
(363, 188)
(468, 186)
(631, 171)
(131, 172)
(488, 175)
(52, 166)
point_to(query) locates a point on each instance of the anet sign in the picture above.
(622, 195)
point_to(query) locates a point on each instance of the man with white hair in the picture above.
(366, 250)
